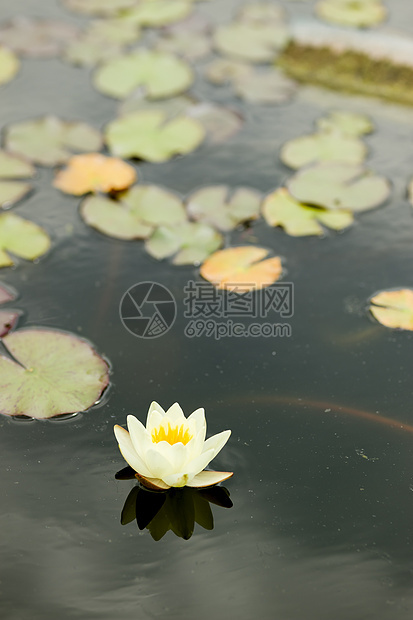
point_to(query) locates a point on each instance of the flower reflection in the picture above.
(176, 509)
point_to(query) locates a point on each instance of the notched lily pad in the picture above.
(149, 135)
(222, 208)
(339, 186)
(281, 209)
(21, 238)
(241, 269)
(136, 214)
(159, 74)
(9, 65)
(322, 147)
(51, 373)
(94, 172)
(254, 42)
(49, 141)
(348, 123)
(357, 13)
(393, 308)
(36, 38)
(188, 243)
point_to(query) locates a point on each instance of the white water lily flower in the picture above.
(171, 451)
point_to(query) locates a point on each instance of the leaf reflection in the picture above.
(177, 509)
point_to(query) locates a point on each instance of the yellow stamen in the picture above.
(171, 435)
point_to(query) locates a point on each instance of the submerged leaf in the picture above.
(280, 209)
(56, 373)
(94, 172)
(394, 308)
(223, 209)
(136, 214)
(38, 38)
(348, 123)
(21, 238)
(241, 269)
(339, 186)
(253, 42)
(191, 243)
(49, 141)
(148, 135)
(159, 74)
(357, 13)
(9, 65)
(321, 147)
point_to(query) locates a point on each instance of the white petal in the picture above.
(157, 463)
(138, 434)
(178, 480)
(154, 406)
(176, 454)
(175, 414)
(128, 452)
(200, 462)
(208, 478)
(153, 420)
(216, 442)
(196, 420)
(196, 444)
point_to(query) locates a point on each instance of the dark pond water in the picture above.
(321, 525)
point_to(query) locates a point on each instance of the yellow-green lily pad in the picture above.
(13, 167)
(159, 74)
(188, 243)
(356, 13)
(393, 308)
(98, 7)
(227, 70)
(265, 87)
(149, 135)
(21, 238)
(136, 214)
(50, 373)
(262, 12)
(50, 141)
(12, 191)
(157, 13)
(298, 220)
(339, 186)
(253, 42)
(223, 209)
(9, 65)
(348, 123)
(322, 147)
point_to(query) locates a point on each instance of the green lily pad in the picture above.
(36, 38)
(12, 191)
(298, 220)
(149, 135)
(339, 186)
(348, 123)
(160, 75)
(21, 238)
(156, 13)
(13, 167)
(9, 65)
(56, 373)
(189, 243)
(265, 87)
(136, 214)
(223, 209)
(98, 7)
(251, 41)
(322, 147)
(49, 141)
(357, 13)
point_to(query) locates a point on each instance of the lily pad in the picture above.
(322, 147)
(159, 74)
(13, 167)
(53, 373)
(191, 243)
(223, 209)
(94, 172)
(9, 65)
(265, 87)
(21, 238)
(262, 12)
(227, 70)
(348, 123)
(98, 7)
(298, 220)
(394, 308)
(339, 186)
(189, 45)
(149, 135)
(253, 42)
(241, 269)
(156, 13)
(357, 13)
(50, 141)
(12, 191)
(36, 38)
(136, 214)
